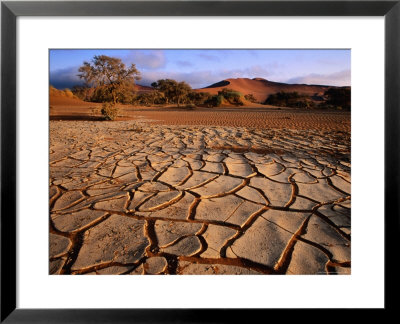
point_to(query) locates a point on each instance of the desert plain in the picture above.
(229, 190)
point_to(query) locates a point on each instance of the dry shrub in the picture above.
(109, 111)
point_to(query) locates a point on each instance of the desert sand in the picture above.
(200, 192)
(261, 88)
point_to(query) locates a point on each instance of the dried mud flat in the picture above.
(131, 197)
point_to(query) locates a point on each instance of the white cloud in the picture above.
(341, 78)
(149, 59)
(201, 79)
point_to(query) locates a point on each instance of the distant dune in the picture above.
(64, 102)
(261, 88)
(65, 98)
(68, 102)
(140, 88)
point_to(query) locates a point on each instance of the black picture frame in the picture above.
(10, 10)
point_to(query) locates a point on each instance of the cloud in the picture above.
(209, 57)
(196, 79)
(341, 78)
(184, 63)
(201, 79)
(149, 59)
(65, 78)
(254, 71)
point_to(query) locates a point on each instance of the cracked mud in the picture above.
(128, 197)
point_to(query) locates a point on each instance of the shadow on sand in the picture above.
(76, 117)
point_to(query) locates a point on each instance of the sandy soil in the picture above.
(256, 116)
(249, 117)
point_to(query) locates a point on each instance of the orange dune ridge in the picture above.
(261, 88)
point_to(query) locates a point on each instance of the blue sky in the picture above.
(201, 68)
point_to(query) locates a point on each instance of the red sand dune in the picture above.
(66, 101)
(261, 88)
(141, 89)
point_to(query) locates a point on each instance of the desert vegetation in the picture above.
(191, 176)
(225, 96)
(112, 81)
(173, 91)
(107, 80)
(250, 97)
(333, 98)
(290, 99)
(339, 97)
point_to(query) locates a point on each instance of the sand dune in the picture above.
(68, 102)
(261, 88)
(142, 89)
(63, 107)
